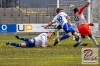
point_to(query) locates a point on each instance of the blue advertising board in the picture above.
(7, 27)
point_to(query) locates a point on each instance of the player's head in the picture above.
(75, 10)
(58, 10)
(61, 10)
(49, 34)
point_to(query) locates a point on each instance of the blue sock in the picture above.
(77, 38)
(24, 39)
(15, 44)
(64, 37)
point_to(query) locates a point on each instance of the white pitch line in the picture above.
(36, 58)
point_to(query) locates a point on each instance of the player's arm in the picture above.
(91, 24)
(66, 16)
(45, 45)
(48, 45)
(83, 7)
(44, 40)
(87, 4)
(50, 23)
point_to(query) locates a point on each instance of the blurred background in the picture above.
(43, 11)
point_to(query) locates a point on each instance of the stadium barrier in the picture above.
(26, 28)
(6, 28)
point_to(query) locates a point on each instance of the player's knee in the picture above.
(76, 34)
(23, 45)
(83, 37)
(70, 34)
(90, 35)
(31, 41)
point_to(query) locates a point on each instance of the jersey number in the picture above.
(76, 18)
(59, 19)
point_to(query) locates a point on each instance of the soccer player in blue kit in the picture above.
(40, 40)
(66, 26)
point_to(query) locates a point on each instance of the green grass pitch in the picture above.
(63, 54)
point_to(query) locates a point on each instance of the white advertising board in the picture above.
(38, 28)
(34, 28)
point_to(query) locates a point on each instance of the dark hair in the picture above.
(61, 9)
(58, 10)
(75, 10)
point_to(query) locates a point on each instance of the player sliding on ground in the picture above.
(65, 25)
(40, 40)
(83, 27)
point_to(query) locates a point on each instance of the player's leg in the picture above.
(62, 38)
(78, 39)
(66, 28)
(16, 44)
(94, 40)
(88, 32)
(57, 31)
(24, 39)
(73, 37)
(32, 42)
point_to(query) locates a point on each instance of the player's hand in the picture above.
(87, 4)
(44, 26)
(49, 45)
(68, 18)
(91, 24)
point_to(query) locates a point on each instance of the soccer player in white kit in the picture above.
(40, 40)
(61, 19)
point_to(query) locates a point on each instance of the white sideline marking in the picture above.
(35, 58)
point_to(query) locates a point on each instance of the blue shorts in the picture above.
(68, 28)
(30, 45)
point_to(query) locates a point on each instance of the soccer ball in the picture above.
(72, 6)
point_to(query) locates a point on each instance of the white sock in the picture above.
(94, 40)
(58, 40)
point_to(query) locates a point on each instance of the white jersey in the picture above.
(79, 18)
(60, 18)
(41, 40)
